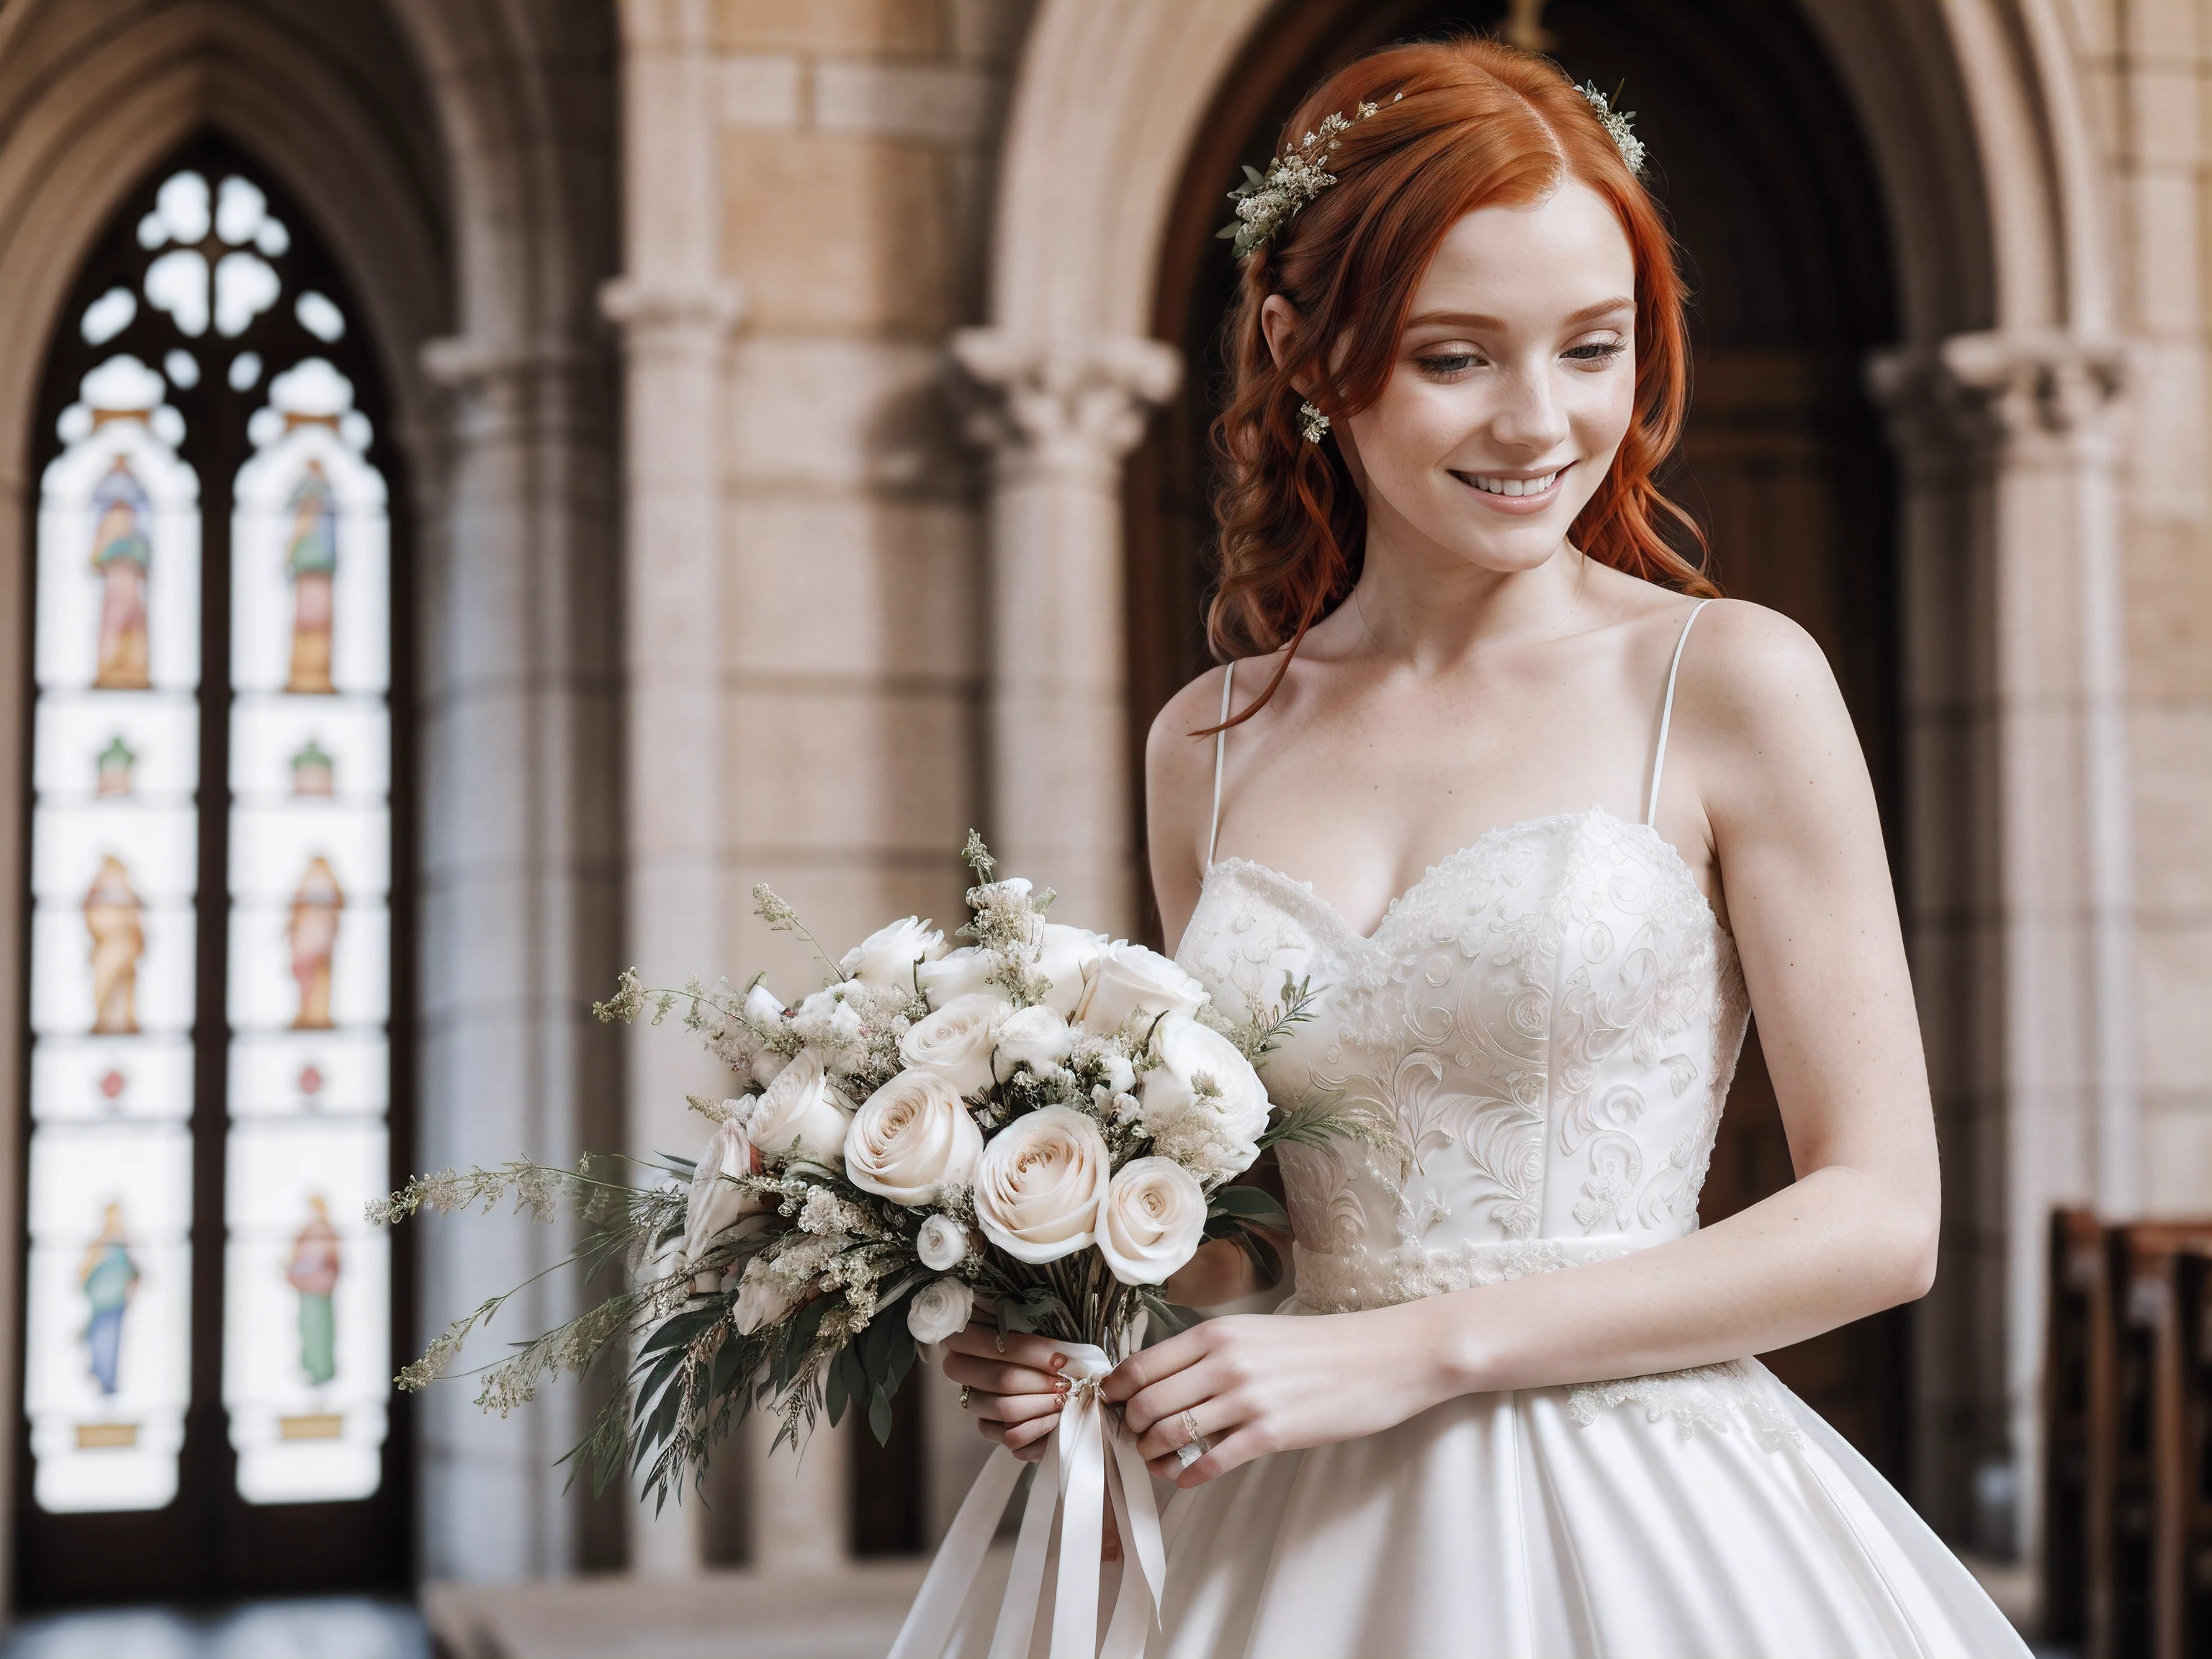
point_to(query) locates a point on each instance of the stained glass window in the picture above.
(211, 868)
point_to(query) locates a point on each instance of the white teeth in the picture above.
(1512, 486)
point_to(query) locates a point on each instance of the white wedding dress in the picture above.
(1551, 1017)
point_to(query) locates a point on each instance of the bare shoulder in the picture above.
(1178, 765)
(1758, 709)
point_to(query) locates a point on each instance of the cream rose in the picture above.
(763, 1297)
(714, 1203)
(942, 1244)
(1068, 957)
(1039, 1185)
(1130, 979)
(887, 956)
(912, 1138)
(1153, 1219)
(800, 1115)
(1202, 1104)
(956, 1041)
(965, 972)
(765, 1009)
(1036, 1037)
(938, 1309)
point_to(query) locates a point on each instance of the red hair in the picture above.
(1461, 124)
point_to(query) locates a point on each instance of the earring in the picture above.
(1316, 422)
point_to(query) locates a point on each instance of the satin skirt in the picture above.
(1505, 1526)
(1528, 1526)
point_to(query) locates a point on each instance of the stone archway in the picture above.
(460, 160)
(2001, 398)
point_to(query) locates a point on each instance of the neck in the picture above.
(1420, 604)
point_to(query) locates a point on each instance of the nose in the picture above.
(1529, 418)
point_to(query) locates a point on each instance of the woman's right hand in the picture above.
(1013, 1386)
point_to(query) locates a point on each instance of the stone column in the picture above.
(1060, 420)
(518, 894)
(2021, 911)
(678, 314)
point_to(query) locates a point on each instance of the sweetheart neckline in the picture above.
(1678, 865)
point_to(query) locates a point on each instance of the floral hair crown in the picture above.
(1266, 201)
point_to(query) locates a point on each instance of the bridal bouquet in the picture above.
(1042, 1121)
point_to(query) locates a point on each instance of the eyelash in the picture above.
(1457, 363)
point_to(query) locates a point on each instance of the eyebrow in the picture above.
(1475, 319)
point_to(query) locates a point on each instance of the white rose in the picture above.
(962, 973)
(1153, 1219)
(1039, 1185)
(910, 1137)
(1036, 1037)
(800, 1115)
(1132, 980)
(956, 1041)
(887, 956)
(942, 1244)
(1066, 956)
(765, 1009)
(939, 1308)
(1212, 1132)
(714, 1204)
(763, 1297)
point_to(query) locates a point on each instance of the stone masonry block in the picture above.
(837, 234)
(937, 103)
(2169, 611)
(853, 587)
(2177, 1154)
(2174, 988)
(2171, 756)
(849, 767)
(763, 90)
(909, 27)
(839, 413)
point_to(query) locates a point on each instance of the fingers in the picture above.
(1148, 1365)
(1014, 1408)
(1241, 1446)
(987, 1373)
(1208, 1420)
(1027, 1441)
(1014, 1347)
(1173, 1394)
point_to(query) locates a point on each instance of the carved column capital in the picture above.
(2007, 397)
(1064, 410)
(678, 317)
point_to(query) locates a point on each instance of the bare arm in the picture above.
(1767, 757)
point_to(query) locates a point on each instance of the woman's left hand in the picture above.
(1259, 1383)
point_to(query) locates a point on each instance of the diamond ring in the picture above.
(1194, 1448)
(964, 1392)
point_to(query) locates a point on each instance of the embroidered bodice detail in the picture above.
(1548, 1020)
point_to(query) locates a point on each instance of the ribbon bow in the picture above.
(1091, 1459)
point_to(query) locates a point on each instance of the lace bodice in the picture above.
(1549, 1019)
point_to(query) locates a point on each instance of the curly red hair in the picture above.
(1461, 124)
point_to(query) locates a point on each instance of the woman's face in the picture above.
(1513, 386)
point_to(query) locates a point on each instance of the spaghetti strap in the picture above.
(1220, 749)
(1665, 713)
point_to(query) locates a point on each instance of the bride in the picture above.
(1517, 1415)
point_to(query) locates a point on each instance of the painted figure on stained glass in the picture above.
(112, 916)
(314, 931)
(311, 557)
(114, 763)
(121, 551)
(314, 1274)
(314, 772)
(108, 1277)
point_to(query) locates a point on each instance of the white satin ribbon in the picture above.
(1091, 1461)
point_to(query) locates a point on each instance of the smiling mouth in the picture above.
(1491, 483)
